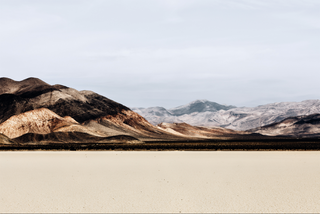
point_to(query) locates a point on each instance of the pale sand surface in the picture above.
(256, 181)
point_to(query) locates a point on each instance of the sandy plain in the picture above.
(170, 181)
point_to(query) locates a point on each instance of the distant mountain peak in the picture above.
(200, 101)
(199, 106)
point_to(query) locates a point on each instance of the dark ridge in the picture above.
(96, 107)
(19, 101)
(104, 103)
(67, 137)
(313, 119)
(11, 104)
(42, 89)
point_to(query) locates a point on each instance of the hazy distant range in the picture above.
(210, 114)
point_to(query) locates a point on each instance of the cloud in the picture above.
(145, 53)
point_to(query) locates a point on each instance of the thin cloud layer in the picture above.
(167, 53)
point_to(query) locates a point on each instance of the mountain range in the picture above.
(210, 114)
(32, 111)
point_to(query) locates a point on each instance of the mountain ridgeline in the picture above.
(157, 115)
(32, 93)
(199, 106)
(204, 113)
(32, 111)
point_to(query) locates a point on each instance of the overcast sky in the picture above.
(145, 53)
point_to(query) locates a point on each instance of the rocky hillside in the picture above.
(185, 129)
(41, 121)
(34, 108)
(33, 93)
(32, 111)
(242, 118)
(300, 126)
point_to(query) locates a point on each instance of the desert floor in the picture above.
(163, 181)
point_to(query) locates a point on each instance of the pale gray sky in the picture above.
(145, 53)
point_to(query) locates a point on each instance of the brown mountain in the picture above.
(32, 106)
(33, 93)
(34, 111)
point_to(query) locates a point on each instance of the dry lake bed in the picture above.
(170, 181)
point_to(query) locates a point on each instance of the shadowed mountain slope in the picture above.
(300, 126)
(60, 99)
(4, 140)
(73, 137)
(202, 132)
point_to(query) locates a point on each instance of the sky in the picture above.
(144, 53)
